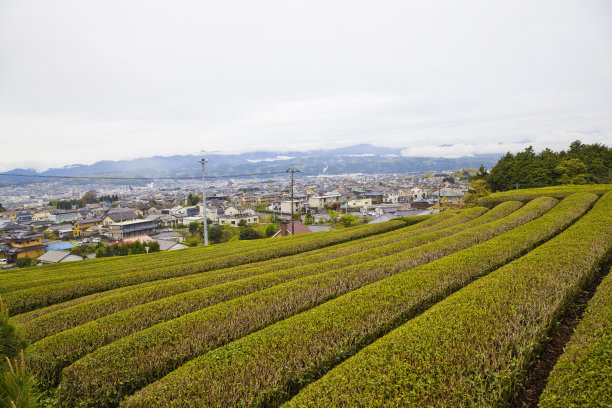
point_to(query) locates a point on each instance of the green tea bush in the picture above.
(581, 377)
(472, 349)
(201, 331)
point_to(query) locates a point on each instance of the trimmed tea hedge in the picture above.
(472, 349)
(117, 265)
(270, 365)
(57, 351)
(527, 194)
(329, 258)
(583, 374)
(28, 299)
(102, 379)
(243, 270)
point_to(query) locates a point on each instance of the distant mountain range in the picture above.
(363, 158)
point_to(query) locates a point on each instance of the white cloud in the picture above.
(87, 81)
(461, 150)
(277, 158)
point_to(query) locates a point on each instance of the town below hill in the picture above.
(60, 222)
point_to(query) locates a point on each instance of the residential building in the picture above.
(62, 216)
(192, 211)
(212, 212)
(377, 197)
(118, 216)
(178, 210)
(359, 202)
(24, 217)
(188, 220)
(163, 220)
(235, 219)
(55, 256)
(326, 199)
(287, 229)
(232, 210)
(84, 213)
(21, 244)
(133, 228)
(86, 227)
(170, 245)
(250, 199)
(41, 215)
(382, 218)
(63, 231)
(452, 195)
(380, 209)
(284, 207)
(391, 198)
(418, 194)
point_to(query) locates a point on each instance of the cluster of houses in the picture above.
(370, 204)
(21, 232)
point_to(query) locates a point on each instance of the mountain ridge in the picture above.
(360, 158)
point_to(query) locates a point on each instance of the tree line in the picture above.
(89, 197)
(127, 248)
(580, 164)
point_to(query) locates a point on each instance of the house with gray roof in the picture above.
(55, 256)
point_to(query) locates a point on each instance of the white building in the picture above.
(391, 198)
(418, 194)
(320, 201)
(284, 207)
(359, 202)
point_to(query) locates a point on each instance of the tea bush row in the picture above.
(28, 299)
(581, 377)
(57, 351)
(472, 349)
(108, 374)
(527, 194)
(337, 256)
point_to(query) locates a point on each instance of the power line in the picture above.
(44, 176)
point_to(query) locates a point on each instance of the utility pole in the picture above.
(203, 162)
(347, 200)
(292, 170)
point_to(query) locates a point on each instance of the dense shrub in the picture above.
(472, 348)
(272, 362)
(581, 377)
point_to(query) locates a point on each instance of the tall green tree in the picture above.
(192, 200)
(333, 215)
(308, 218)
(591, 164)
(348, 220)
(89, 197)
(249, 233)
(271, 230)
(195, 227)
(500, 177)
(215, 234)
(478, 188)
(572, 171)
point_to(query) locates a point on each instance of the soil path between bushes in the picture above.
(538, 371)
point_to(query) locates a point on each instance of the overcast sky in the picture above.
(82, 81)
